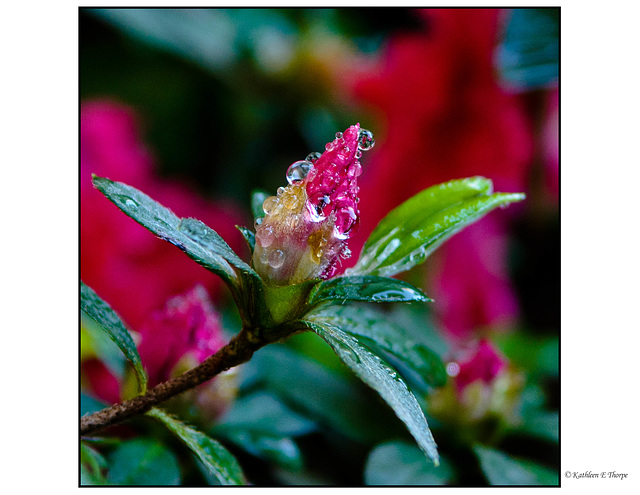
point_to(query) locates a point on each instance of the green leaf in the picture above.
(529, 54)
(100, 312)
(542, 424)
(334, 400)
(262, 425)
(249, 236)
(402, 463)
(501, 469)
(92, 465)
(281, 450)
(257, 198)
(197, 240)
(212, 454)
(368, 288)
(378, 333)
(145, 462)
(372, 370)
(413, 230)
(263, 413)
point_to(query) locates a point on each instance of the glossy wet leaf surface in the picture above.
(196, 239)
(367, 288)
(217, 459)
(109, 321)
(376, 373)
(413, 230)
(379, 333)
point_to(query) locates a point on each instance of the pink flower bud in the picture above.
(306, 225)
(186, 330)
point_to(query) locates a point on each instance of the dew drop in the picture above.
(313, 156)
(265, 236)
(258, 222)
(453, 368)
(338, 135)
(276, 258)
(365, 140)
(297, 171)
(280, 190)
(131, 203)
(355, 170)
(270, 204)
(264, 257)
(359, 153)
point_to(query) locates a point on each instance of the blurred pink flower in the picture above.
(483, 386)
(306, 226)
(187, 330)
(483, 363)
(445, 117)
(551, 146)
(123, 262)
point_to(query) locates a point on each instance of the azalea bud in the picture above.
(483, 387)
(306, 225)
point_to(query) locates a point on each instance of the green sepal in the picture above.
(249, 236)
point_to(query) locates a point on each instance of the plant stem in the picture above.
(239, 350)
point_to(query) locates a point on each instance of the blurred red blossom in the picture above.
(124, 263)
(446, 117)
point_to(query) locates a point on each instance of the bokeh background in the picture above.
(200, 107)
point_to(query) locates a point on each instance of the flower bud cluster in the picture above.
(306, 225)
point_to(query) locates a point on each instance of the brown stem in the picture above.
(237, 351)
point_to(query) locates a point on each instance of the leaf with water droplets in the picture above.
(376, 373)
(374, 330)
(413, 230)
(100, 312)
(197, 240)
(216, 459)
(367, 288)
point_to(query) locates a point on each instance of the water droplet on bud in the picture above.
(265, 236)
(365, 140)
(313, 156)
(338, 135)
(269, 205)
(276, 258)
(355, 170)
(297, 171)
